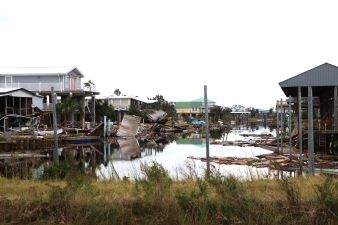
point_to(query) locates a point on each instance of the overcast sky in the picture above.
(240, 49)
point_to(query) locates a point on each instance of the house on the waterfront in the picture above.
(17, 105)
(193, 109)
(19, 101)
(66, 82)
(122, 104)
(313, 96)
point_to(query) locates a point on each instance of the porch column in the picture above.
(20, 107)
(6, 109)
(300, 127)
(290, 129)
(335, 118)
(83, 106)
(310, 131)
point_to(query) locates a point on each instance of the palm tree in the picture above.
(68, 107)
(89, 84)
(117, 92)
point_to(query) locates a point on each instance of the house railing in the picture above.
(38, 87)
(89, 88)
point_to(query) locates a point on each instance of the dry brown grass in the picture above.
(158, 200)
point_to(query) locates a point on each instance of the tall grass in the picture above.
(154, 198)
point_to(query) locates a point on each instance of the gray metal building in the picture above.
(315, 99)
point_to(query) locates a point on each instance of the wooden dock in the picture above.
(23, 144)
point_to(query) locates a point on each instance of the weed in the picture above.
(291, 190)
(327, 194)
(61, 169)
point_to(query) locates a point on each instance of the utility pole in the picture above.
(206, 108)
(56, 147)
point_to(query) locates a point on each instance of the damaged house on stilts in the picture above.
(312, 100)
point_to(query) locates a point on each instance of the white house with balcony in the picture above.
(41, 79)
(123, 103)
(67, 82)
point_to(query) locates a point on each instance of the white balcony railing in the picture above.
(89, 88)
(38, 87)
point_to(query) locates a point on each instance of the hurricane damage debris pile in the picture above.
(129, 126)
(159, 122)
(273, 161)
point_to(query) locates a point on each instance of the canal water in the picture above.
(119, 158)
(175, 156)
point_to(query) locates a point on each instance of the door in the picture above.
(72, 83)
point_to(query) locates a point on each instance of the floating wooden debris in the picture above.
(23, 155)
(273, 161)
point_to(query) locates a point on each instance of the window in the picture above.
(8, 81)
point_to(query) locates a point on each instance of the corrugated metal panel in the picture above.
(323, 75)
(129, 126)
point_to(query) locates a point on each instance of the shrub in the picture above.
(327, 194)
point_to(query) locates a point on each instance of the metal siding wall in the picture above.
(49, 79)
(2, 79)
(38, 102)
(66, 85)
(25, 79)
(78, 82)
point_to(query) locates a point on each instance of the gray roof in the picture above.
(10, 91)
(22, 71)
(323, 75)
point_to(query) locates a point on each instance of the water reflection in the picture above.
(174, 155)
(118, 157)
(129, 149)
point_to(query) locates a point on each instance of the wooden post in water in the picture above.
(282, 126)
(108, 128)
(310, 131)
(56, 150)
(104, 151)
(290, 129)
(277, 131)
(206, 108)
(93, 111)
(300, 128)
(104, 126)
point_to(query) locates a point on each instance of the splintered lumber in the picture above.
(273, 161)
(97, 131)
